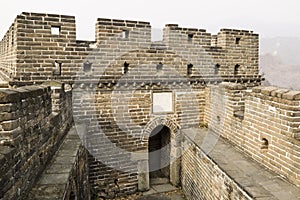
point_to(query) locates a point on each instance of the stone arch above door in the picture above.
(165, 121)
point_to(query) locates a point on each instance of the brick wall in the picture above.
(8, 53)
(126, 29)
(37, 48)
(263, 122)
(202, 179)
(272, 114)
(241, 48)
(66, 176)
(229, 48)
(30, 134)
(191, 49)
(31, 49)
(114, 123)
(115, 105)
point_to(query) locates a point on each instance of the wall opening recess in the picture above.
(159, 66)
(125, 34)
(217, 67)
(56, 71)
(87, 66)
(189, 69)
(55, 30)
(236, 69)
(237, 40)
(190, 37)
(125, 67)
(264, 144)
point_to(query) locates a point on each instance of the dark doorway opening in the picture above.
(159, 153)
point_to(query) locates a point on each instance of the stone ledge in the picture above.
(16, 95)
(38, 16)
(232, 86)
(277, 92)
(54, 84)
(4, 84)
(292, 95)
(267, 90)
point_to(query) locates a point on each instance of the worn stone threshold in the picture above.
(254, 178)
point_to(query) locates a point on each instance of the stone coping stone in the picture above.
(12, 95)
(164, 188)
(4, 84)
(277, 92)
(54, 84)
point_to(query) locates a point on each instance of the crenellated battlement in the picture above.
(36, 42)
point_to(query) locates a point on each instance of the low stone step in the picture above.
(159, 181)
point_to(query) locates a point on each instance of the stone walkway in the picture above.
(52, 183)
(257, 180)
(158, 192)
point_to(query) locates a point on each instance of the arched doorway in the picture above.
(159, 149)
(160, 131)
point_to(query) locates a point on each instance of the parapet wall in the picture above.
(66, 176)
(40, 47)
(126, 29)
(272, 128)
(30, 133)
(199, 36)
(45, 41)
(8, 51)
(233, 52)
(264, 122)
(203, 179)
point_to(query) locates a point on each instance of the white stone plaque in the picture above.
(162, 102)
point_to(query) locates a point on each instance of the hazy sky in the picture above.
(268, 18)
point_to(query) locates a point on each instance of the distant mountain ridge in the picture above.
(280, 61)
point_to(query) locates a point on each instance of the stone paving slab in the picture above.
(162, 192)
(256, 179)
(164, 188)
(152, 194)
(159, 181)
(161, 197)
(53, 181)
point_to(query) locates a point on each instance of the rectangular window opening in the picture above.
(125, 34)
(237, 40)
(189, 69)
(190, 37)
(55, 30)
(236, 69)
(159, 67)
(217, 67)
